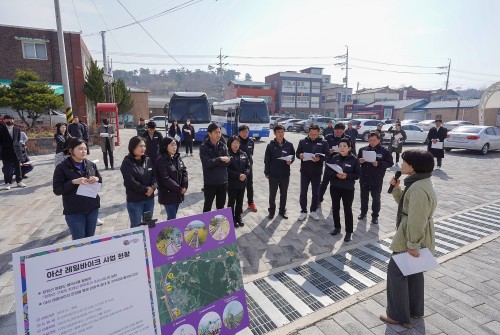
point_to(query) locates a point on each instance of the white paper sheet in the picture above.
(286, 158)
(308, 156)
(410, 265)
(335, 168)
(369, 156)
(104, 134)
(437, 145)
(335, 148)
(88, 190)
(398, 136)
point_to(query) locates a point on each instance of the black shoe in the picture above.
(240, 223)
(106, 168)
(347, 237)
(361, 216)
(283, 215)
(335, 231)
(270, 216)
(25, 177)
(236, 225)
(112, 168)
(374, 221)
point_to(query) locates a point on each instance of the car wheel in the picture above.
(485, 148)
(365, 136)
(297, 130)
(257, 138)
(290, 128)
(447, 149)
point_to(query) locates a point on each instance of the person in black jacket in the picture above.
(10, 144)
(188, 131)
(80, 211)
(76, 129)
(277, 170)
(61, 137)
(214, 161)
(238, 171)
(342, 186)
(247, 145)
(152, 138)
(175, 132)
(139, 180)
(353, 134)
(437, 134)
(312, 151)
(172, 177)
(372, 175)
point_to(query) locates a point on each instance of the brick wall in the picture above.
(140, 108)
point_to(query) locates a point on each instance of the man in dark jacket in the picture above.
(214, 161)
(152, 138)
(353, 134)
(11, 149)
(279, 155)
(372, 175)
(312, 151)
(329, 129)
(247, 146)
(437, 134)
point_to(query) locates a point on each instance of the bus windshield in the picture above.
(252, 112)
(194, 109)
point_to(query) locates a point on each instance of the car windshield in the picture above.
(254, 113)
(465, 129)
(194, 109)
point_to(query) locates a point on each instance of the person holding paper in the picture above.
(238, 171)
(311, 169)
(398, 137)
(437, 134)
(175, 132)
(79, 211)
(277, 170)
(107, 141)
(188, 131)
(372, 174)
(414, 230)
(342, 183)
(247, 145)
(139, 180)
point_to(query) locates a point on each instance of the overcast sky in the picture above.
(281, 35)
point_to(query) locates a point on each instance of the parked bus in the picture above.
(190, 105)
(253, 112)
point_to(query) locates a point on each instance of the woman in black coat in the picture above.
(188, 131)
(172, 177)
(175, 132)
(139, 180)
(238, 170)
(61, 137)
(79, 211)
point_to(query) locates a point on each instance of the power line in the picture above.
(147, 32)
(77, 18)
(477, 73)
(392, 64)
(392, 71)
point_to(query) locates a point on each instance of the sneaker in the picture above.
(397, 164)
(7, 187)
(252, 207)
(302, 216)
(270, 216)
(99, 222)
(347, 237)
(21, 184)
(361, 216)
(315, 216)
(336, 231)
(438, 167)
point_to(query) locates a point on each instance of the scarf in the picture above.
(408, 182)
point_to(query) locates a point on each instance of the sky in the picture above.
(391, 43)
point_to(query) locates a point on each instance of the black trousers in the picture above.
(189, 146)
(7, 173)
(87, 144)
(235, 201)
(274, 184)
(305, 180)
(324, 183)
(105, 154)
(217, 192)
(405, 295)
(347, 197)
(439, 161)
(374, 191)
(250, 187)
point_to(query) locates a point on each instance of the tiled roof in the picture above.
(399, 104)
(452, 104)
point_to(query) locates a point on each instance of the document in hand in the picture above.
(335, 148)
(410, 265)
(437, 145)
(308, 156)
(398, 136)
(369, 156)
(286, 158)
(104, 134)
(335, 168)
(88, 190)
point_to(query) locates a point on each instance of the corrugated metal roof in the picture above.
(452, 104)
(249, 83)
(399, 104)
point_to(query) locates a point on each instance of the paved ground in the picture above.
(32, 217)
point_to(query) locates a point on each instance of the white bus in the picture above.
(253, 112)
(193, 106)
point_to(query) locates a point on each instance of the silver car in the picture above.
(482, 138)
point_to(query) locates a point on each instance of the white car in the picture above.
(160, 121)
(48, 118)
(414, 134)
(288, 124)
(410, 121)
(364, 126)
(426, 124)
(453, 124)
(482, 138)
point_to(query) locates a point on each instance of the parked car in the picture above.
(288, 124)
(414, 134)
(426, 124)
(48, 118)
(322, 122)
(281, 119)
(273, 119)
(160, 121)
(410, 121)
(482, 138)
(299, 126)
(364, 126)
(453, 124)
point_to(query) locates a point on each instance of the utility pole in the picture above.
(107, 78)
(221, 73)
(448, 75)
(64, 65)
(344, 66)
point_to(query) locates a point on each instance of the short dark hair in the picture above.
(165, 142)
(243, 127)
(314, 126)
(7, 116)
(339, 125)
(374, 133)
(346, 141)
(141, 119)
(73, 143)
(133, 143)
(212, 126)
(422, 161)
(231, 139)
(151, 125)
(278, 127)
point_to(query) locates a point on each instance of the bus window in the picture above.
(183, 109)
(254, 113)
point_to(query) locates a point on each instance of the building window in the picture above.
(315, 87)
(288, 98)
(314, 102)
(288, 86)
(33, 50)
(303, 86)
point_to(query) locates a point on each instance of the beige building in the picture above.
(370, 95)
(334, 97)
(459, 110)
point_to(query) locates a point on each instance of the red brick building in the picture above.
(38, 49)
(251, 89)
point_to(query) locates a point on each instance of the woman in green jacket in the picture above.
(398, 137)
(414, 230)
